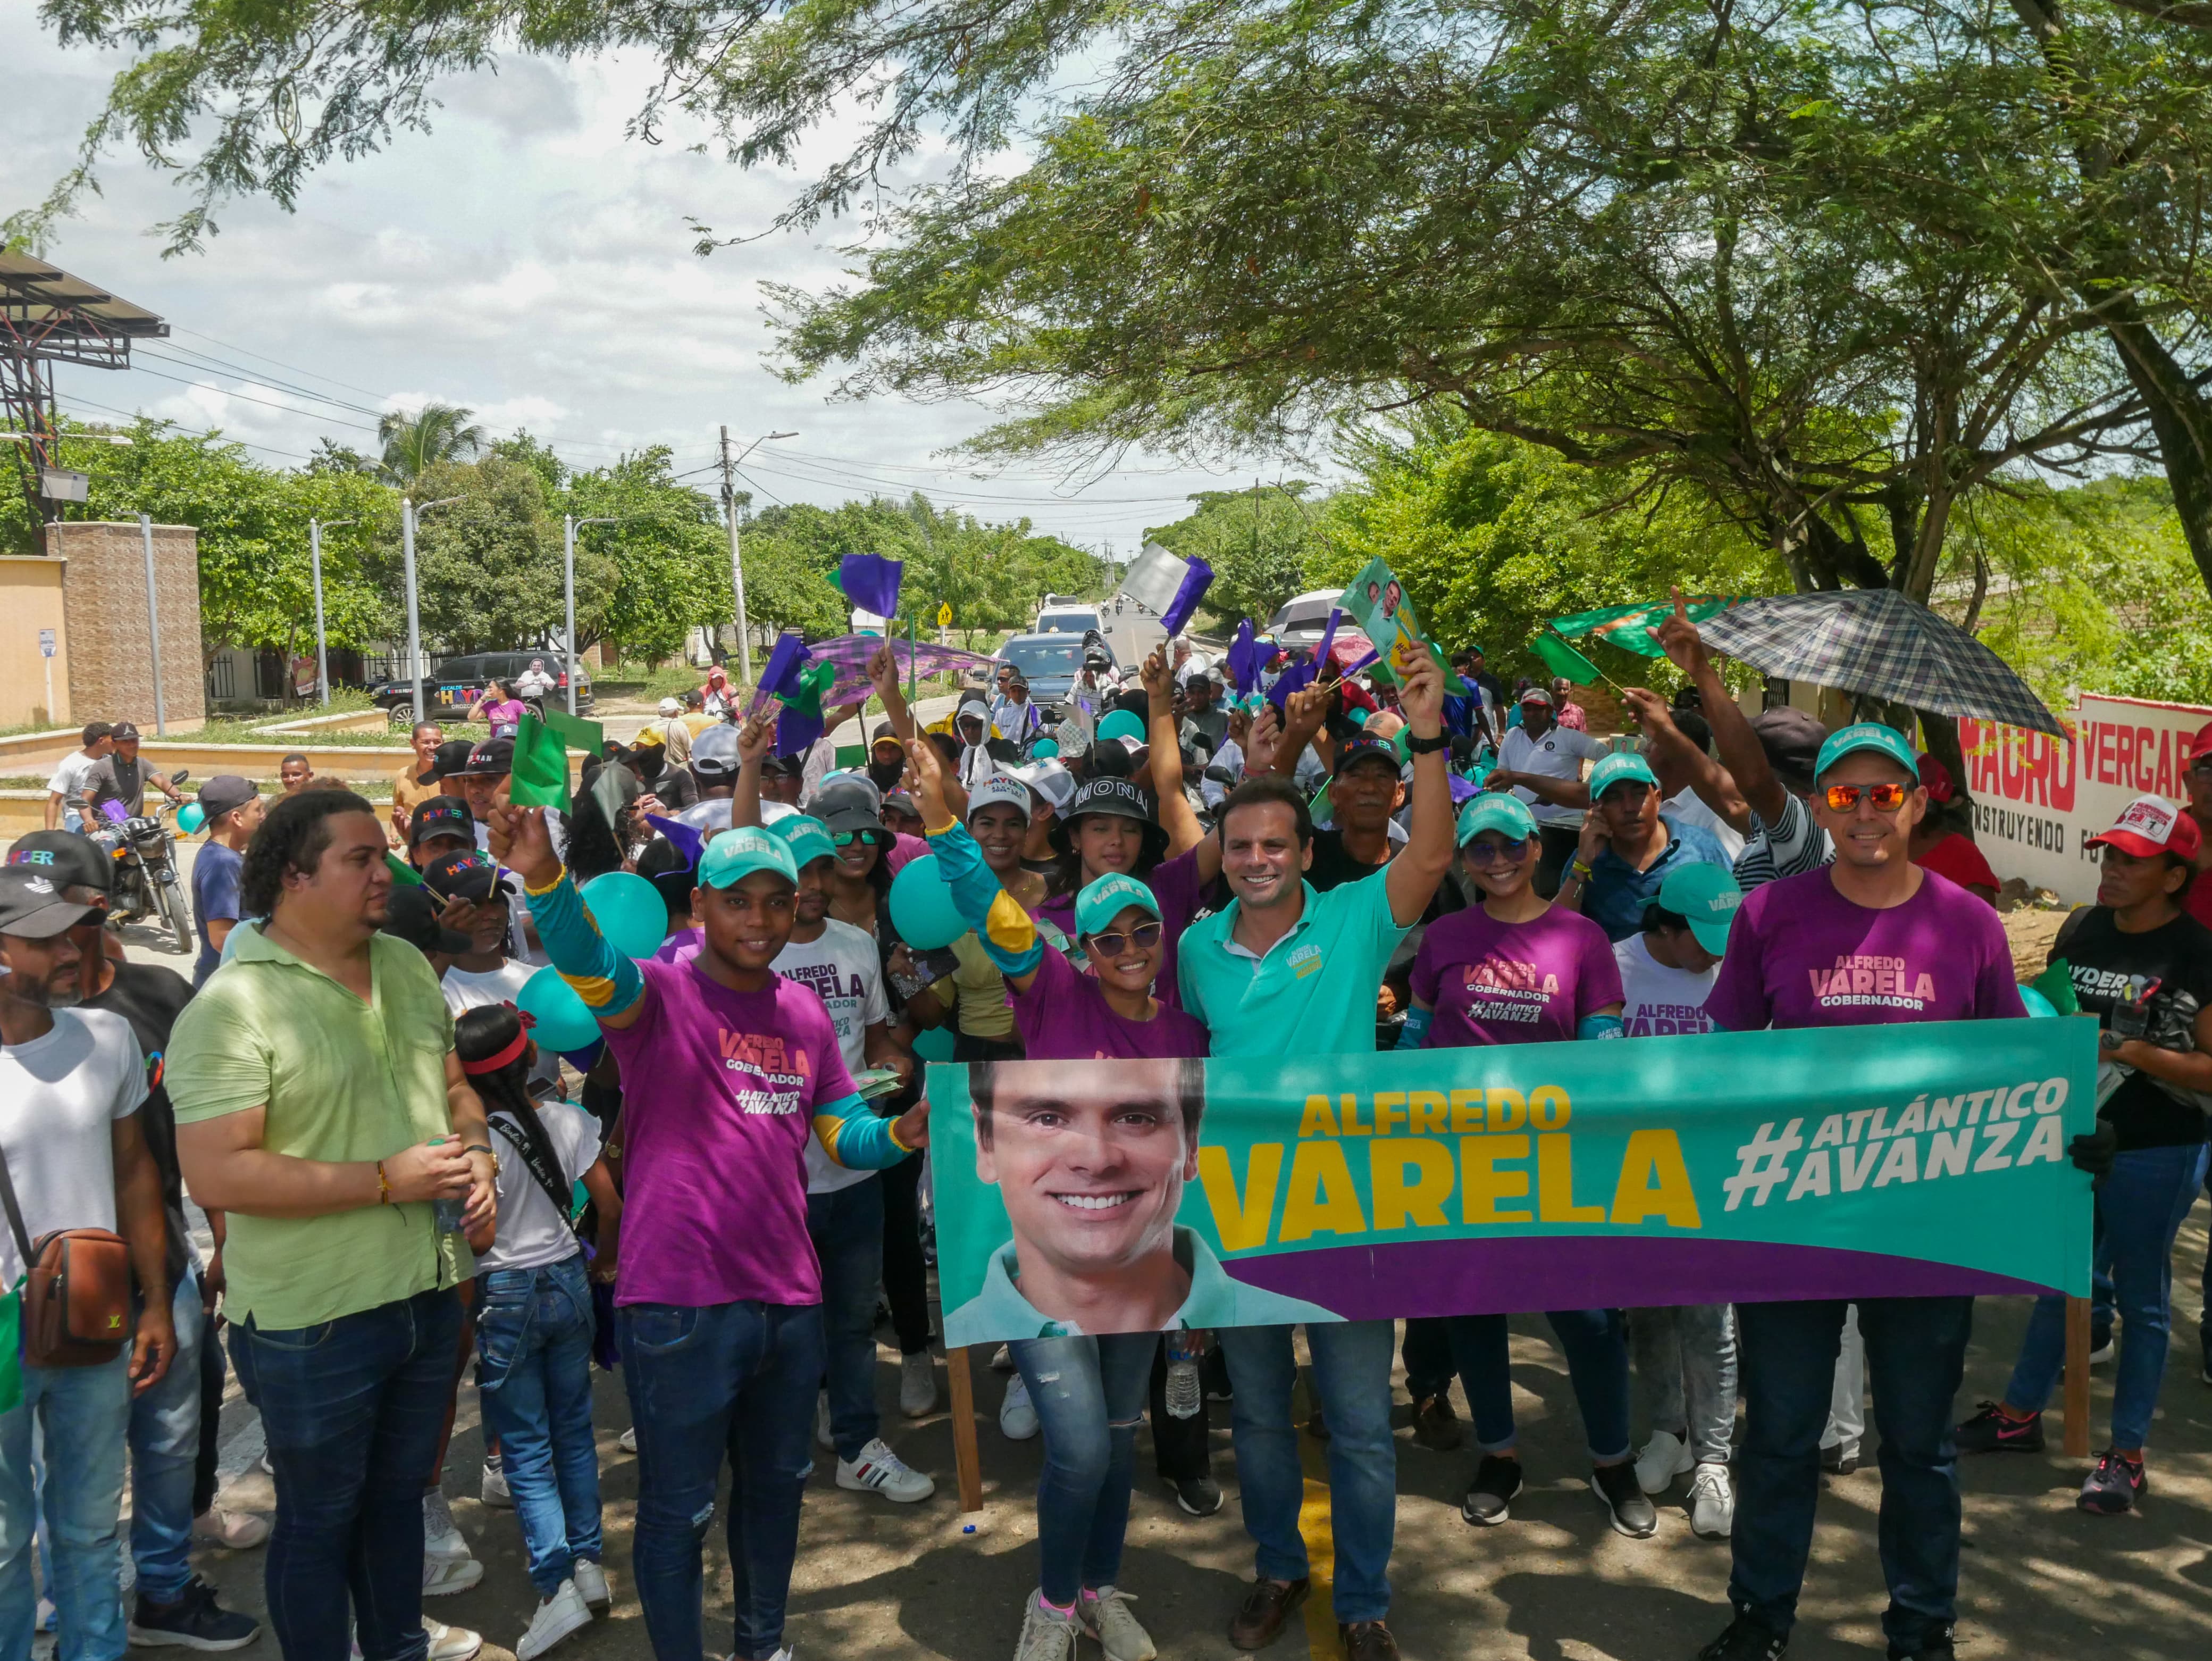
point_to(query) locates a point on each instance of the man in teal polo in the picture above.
(1285, 968)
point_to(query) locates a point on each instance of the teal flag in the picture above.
(1562, 659)
(1629, 627)
(1901, 1160)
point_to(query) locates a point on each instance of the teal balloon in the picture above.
(189, 818)
(2036, 1002)
(933, 1044)
(922, 908)
(628, 910)
(1044, 747)
(563, 1021)
(1122, 724)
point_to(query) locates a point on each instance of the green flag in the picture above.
(1562, 659)
(541, 767)
(2057, 984)
(1629, 627)
(576, 733)
(402, 873)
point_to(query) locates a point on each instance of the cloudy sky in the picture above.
(527, 261)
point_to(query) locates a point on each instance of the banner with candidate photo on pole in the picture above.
(1126, 1196)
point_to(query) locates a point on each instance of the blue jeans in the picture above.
(165, 1450)
(83, 1413)
(1596, 1348)
(534, 1372)
(1916, 1352)
(1352, 1376)
(735, 1379)
(847, 1228)
(353, 1410)
(1089, 1394)
(2139, 1211)
(1426, 1350)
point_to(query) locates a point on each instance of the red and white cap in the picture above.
(2201, 745)
(2152, 824)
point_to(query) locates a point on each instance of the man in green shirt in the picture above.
(320, 1104)
(1284, 964)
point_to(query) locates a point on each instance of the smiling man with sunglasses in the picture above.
(1870, 939)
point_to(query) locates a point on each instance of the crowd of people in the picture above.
(717, 1186)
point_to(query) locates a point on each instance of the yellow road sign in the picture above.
(945, 615)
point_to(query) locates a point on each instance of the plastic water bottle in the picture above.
(444, 1211)
(1184, 1393)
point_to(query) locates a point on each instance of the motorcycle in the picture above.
(145, 850)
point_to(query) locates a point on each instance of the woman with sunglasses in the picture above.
(1518, 969)
(1074, 1383)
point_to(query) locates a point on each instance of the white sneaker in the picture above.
(1002, 1360)
(591, 1580)
(1665, 1456)
(1018, 1420)
(43, 1620)
(1046, 1634)
(1712, 1503)
(442, 1540)
(443, 1576)
(917, 1385)
(1105, 1615)
(627, 1440)
(234, 1531)
(494, 1491)
(564, 1613)
(447, 1643)
(881, 1471)
(822, 1438)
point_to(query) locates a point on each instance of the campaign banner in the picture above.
(1130, 1195)
(2038, 799)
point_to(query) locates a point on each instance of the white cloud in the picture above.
(527, 260)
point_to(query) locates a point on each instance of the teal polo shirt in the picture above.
(1314, 993)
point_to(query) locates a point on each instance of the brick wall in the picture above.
(111, 668)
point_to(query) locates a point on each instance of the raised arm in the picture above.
(882, 675)
(1176, 816)
(1004, 930)
(1304, 712)
(1742, 753)
(610, 985)
(755, 738)
(1421, 864)
(1714, 784)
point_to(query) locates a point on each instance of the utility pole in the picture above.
(315, 564)
(736, 565)
(569, 525)
(408, 513)
(153, 629)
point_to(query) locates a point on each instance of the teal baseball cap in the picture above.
(1497, 810)
(736, 854)
(1706, 895)
(1868, 735)
(1620, 768)
(1103, 901)
(806, 837)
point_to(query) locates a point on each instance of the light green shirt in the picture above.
(1316, 988)
(341, 1080)
(1000, 1312)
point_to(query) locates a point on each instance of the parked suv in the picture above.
(454, 683)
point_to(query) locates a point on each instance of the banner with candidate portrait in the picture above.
(1126, 1196)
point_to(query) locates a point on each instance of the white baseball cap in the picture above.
(670, 707)
(999, 790)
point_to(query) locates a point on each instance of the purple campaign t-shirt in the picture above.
(719, 1090)
(1513, 983)
(1065, 1017)
(1800, 954)
(1174, 885)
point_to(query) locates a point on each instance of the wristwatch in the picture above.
(1421, 746)
(489, 1152)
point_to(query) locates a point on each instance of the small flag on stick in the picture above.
(1168, 583)
(541, 767)
(870, 582)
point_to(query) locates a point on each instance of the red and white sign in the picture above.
(2038, 799)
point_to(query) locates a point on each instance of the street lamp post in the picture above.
(154, 628)
(736, 566)
(569, 525)
(409, 513)
(315, 565)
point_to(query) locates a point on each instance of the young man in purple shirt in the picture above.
(728, 1069)
(1869, 940)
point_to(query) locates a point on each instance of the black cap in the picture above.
(223, 792)
(885, 733)
(447, 759)
(124, 733)
(492, 758)
(1359, 748)
(470, 874)
(31, 906)
(1112, 795)
(412, 915)
(73, 860)
(441, 816)
(1792, 740)
(853, 814)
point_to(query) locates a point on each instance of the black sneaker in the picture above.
(194, 1622)
(1995, 1431)
(1838, 1463)
(1625, 1501)
(1199, 1495)
(1435, 1425)
(1490, 1496)
(2113, 1488)
(1746, 1640)
(1936, 1647)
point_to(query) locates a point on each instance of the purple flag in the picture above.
(870, 582)
(796, 730)
(1328, 636)
(1245, 657)
(1299, 674)
(779, 674)
(1195, 581)
(684, 838)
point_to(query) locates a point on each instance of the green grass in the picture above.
(226, 730)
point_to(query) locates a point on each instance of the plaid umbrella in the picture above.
(1876, 641)
(851, 653)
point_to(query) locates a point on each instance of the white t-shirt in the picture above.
(474, 989)
(59, 1096)
(1689, 808)
(1659, 1001)
(531, 1234)
(1559, 754)
(68, 777)
(518, 906)
(845, 973)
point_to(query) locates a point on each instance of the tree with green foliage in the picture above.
(414, 443)
(487, 563)
(1259, 542)
(665, 556)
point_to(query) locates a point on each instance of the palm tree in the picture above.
(434, 432)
